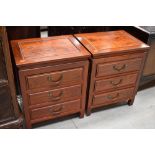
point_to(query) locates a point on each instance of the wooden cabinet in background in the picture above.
(117, 63)
(22, 32)
(53, 77)
(9, 111)
(63, 30)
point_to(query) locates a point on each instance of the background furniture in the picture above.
(63, 30)
(117, 63)
(53, 77)
(149, 68)
(9, 112)
(22, 32)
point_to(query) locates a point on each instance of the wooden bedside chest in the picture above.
(53, 77)
(116, 65)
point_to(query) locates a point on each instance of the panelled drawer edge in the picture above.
(112, 97)
(55, 110)
(115, 83)
(55, 96)
(55, 79)
(118, 67)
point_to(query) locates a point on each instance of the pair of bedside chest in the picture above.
(65, 75)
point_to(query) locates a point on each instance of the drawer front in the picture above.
(112, 97)
(55, 79)
(114, 83)
(118, 67)
(55, 110)
(55, 96)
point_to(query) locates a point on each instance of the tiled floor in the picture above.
(139, 116)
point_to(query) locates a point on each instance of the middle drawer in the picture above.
(115, 82)
(55, 96)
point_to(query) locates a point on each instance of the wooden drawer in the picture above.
(111, 97)
(54, 79)
(114, 83)
(55, 96)
(55, 110)
(118, 67)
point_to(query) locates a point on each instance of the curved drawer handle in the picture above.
(55, 98)
(115, 67)
(56, 82)
(113, 97)
(116, 83)
(56, 111)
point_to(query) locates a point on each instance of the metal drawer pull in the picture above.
(56, 82)
(116, 83)
(55, 98)
(56, 111)
(113, 97)
(115, 67)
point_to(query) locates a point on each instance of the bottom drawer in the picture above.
(112, 97)
(55, 110)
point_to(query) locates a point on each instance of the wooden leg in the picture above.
(130, 102)
(82, 114)
(88, 111)
(28, 125)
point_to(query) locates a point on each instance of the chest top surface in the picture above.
(53, 49)
(102, 43)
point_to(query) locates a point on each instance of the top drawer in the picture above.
(118, 67)
(55, 79)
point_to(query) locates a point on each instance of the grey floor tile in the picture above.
(110, 118)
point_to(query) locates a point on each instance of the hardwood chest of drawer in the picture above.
(53, 77)
(117, 63)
